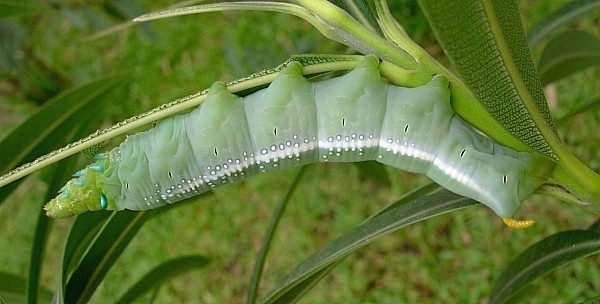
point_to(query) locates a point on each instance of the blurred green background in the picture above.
(453, 258)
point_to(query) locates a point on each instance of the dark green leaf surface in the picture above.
(561, 17)
(304, 276)
(13, 289)
(161, 274)
(567, 53)
(96, 240)
(487, 45)
(114, 237)
(542, 257)
(50, 126)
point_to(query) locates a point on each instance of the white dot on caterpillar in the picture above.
(295, 136)
(273, 148)
(361, 137)
(390, 140)
(338, 137)
(229, 160)
(264, 151)
(296, 145)
(306, 140)
(330, 139)
(371, 136)
(217, 167)
(288, 143)
(281, 146)
(353, 135)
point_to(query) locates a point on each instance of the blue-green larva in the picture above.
(293, 122)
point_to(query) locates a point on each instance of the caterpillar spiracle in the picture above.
(294, 122)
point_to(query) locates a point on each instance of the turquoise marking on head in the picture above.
(103, 201)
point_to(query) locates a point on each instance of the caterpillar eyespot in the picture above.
(295, 122)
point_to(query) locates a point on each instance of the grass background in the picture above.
(453, 258)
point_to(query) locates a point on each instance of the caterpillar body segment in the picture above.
(293, 122)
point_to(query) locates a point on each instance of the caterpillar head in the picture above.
(81, 193)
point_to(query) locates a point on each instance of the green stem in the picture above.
(577, 177)
(349, 32)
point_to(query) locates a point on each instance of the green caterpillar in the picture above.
(293, 122)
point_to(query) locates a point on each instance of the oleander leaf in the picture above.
(306, 275)
(161, 274)
(569, 52)
(548, 254)
(564, 15)
(486, 43)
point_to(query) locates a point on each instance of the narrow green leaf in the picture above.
(567, 53)
(298, 291)
(45, 130)
(325, 63)
(594, 105)
(114, 237)
(55, 178)
(542, 257)
(161, 274)
(95, 242)
(559, 18)
(403, 215)
(13, 289)
(487, 45)
(268, 238)
(16, 8)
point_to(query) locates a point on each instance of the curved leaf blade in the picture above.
(95, 242)
(487, 45)
(13, 289)
(560, 17)
(57, 116)
(161, 274)
(542, 257)
(305, 275)
(269, 235)
(567, 53)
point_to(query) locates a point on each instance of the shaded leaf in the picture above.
(13, 289)
(567, 53)
(47, 128)
(560, 17)
(161, 274)
(306, 274)
(542, 257)
(268, 238)
(99, 238)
